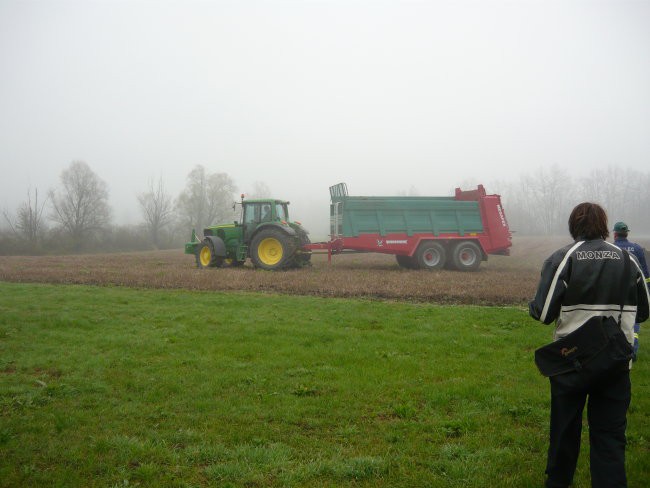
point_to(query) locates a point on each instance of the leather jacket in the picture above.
(583, 280)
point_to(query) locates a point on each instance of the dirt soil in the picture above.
(502, 280)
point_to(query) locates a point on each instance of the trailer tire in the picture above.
(407, 262)
(206, 257)
(272, 249)
(431, 255)
(467, 256)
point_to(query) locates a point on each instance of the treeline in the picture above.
(76, 216)
(539, 203)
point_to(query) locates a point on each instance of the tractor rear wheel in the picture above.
(205, 256)
(467, 256)
(431, 255)
(272, 249)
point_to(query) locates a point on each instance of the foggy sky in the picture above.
(384, 95)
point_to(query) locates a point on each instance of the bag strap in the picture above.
(624, 281)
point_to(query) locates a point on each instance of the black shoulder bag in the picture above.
(595, 348)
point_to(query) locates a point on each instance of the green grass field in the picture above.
(124, 387)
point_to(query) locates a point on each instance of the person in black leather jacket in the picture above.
(580, 281)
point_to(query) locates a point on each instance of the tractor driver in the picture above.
(266, 213)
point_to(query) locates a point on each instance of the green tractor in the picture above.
(265, 235)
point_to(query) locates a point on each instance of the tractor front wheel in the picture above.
(205, 256)
(272, 249)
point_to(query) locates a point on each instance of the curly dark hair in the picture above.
(588, 221)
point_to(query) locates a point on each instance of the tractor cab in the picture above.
(260, 212)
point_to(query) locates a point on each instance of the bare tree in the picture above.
(207, 198)
(637, 202)
(29, 223)
(157, 209)
(30, 220)
(547, 194)
(607, 186)
(260, 190)
(411, 192)
(623, 194)
(81, 205)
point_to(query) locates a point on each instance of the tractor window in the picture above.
(280, 211)
(251, 213)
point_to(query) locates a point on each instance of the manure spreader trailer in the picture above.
(430, 233)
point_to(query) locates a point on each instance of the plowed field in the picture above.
(502, 280)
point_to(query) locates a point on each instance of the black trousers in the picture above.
(609, 399)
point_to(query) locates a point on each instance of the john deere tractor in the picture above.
(265, 235)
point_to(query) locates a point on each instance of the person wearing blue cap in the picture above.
(621, 230)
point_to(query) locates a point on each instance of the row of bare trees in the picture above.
(77, 216)
(539, 203)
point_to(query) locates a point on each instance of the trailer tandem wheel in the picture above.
(467, 256)
(431, 255)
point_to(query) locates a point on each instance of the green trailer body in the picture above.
(406, 215)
